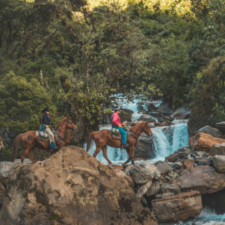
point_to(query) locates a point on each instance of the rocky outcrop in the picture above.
(182, 113)
(178, 207)
(147, 118)
(219, 163)
(144, 149)
(212, 131)
(71, 187)
(218, 149)
(204, 142)
(202, 178)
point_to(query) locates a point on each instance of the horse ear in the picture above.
(147, 121)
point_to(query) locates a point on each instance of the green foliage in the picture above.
(21, 104)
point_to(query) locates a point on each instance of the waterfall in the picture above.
(166, 140)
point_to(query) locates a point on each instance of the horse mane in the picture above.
(65, 118)
(137, 125)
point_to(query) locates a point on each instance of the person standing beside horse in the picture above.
(116, 123)
(46, 121)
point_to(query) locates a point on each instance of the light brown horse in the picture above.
(1, 144)
(103, 138)
(31, 140)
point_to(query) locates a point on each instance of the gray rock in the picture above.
(182, 113)
(219, 163)
(153, 190)
(165, 123)
(141, 175)
(164, 109)
(221, 126)
(172, 174)
(218, 149)
(166, 188)
(152, 108)
(212, 131)
(143, 189)
(144, 148)
(177, 165)
(147, 118)
(163, 167)
(164, 195)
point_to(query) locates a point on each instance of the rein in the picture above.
(60, 137)
(137, 133)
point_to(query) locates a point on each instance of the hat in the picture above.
(46, 109)
(116, 109)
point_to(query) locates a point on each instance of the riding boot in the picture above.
(53, 146)
(124, 146)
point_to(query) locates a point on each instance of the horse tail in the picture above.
(90, 138)
(16, 145)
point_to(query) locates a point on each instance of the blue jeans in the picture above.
(123, 132)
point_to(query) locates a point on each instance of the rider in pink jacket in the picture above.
(116, 123)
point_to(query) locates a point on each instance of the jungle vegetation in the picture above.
(73, 55)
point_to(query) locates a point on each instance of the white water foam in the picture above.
(207, 217)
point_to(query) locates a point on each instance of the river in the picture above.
(166, 140)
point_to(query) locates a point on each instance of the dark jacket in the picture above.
(46, 120)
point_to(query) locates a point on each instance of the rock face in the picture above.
(2, 193)
(212, 131)
(147, 118)
(182, 113)
(219, 163)
(71, 187)
(178, 207)
(217, 149)
(144, 149)
(204, 142)
(202, 178)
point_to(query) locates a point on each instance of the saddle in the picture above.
(115, 136)
(43, 136)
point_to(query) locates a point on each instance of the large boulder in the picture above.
(163, 167)
(212, 131)
(164, 109)
(178, 207)
(204, 142)
(219, 163)
(188, 163)
(144, 149)
(142, 173)
(218, 149)
(147, 118)
(152, 108)
(71, 187)
(182, 113)
(202, 178)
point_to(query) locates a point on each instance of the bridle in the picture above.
(132, 135)
(67, 122)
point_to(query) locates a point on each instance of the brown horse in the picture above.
(30, 139)
(1, 144)
(103, 138)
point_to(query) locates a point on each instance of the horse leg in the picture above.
(30, 155)
(131, 156)
(98, 149)
(23, 156)
(104, 149)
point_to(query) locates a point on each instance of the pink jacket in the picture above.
(115, 119)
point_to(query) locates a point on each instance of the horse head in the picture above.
(147, 129)
(1, 144)
(70, 125)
